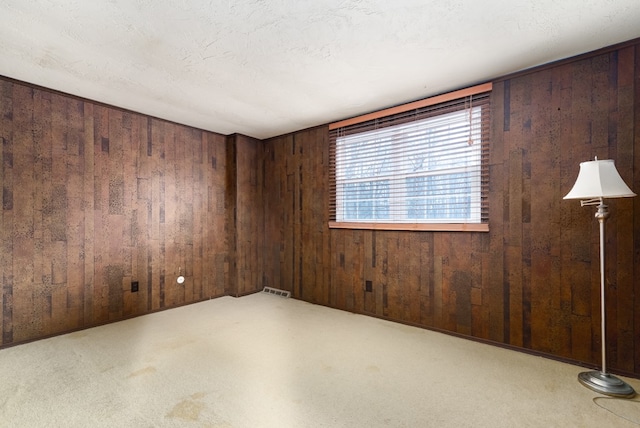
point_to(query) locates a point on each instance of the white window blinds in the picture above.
(424, 165)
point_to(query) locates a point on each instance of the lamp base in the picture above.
(606, 384)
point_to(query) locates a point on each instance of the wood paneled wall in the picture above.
(532, 281)
(297, 254)
(245, 216)
(94, 198)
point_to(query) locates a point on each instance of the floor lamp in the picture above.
(597, 180)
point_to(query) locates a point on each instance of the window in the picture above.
(424, 165)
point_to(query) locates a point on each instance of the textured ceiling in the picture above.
(267, 67)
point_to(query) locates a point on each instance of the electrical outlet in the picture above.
(368, 286)
(134, 286)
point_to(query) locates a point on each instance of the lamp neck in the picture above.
(603, 212)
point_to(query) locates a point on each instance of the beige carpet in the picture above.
(267, 361)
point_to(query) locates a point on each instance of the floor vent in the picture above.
(275, 291)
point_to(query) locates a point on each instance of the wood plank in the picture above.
(549, 92)
(88, 186)
(381, 271)
(634, 182)
(501, 113)
(369, 297)
(623, 111)
(6, 214)
(426, 280)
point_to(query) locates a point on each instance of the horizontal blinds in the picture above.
(428, 164)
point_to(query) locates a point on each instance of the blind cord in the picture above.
(471, 120)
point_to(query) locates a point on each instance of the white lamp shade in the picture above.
(599, 179)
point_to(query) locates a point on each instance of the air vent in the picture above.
(275, 291)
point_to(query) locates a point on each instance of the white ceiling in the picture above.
(268, 67)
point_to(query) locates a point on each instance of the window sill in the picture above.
(433, 227)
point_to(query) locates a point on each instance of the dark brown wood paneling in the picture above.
(296, 248)
(249, 215)
(634, 182)
(622, 275)
(244, 215)
(94, 198)
(231, 190)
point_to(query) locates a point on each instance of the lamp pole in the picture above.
(601, 381)
(597, 180)
(602, 215)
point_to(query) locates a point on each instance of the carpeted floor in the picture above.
(267, 361)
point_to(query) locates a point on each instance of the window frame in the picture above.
(394, 116)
